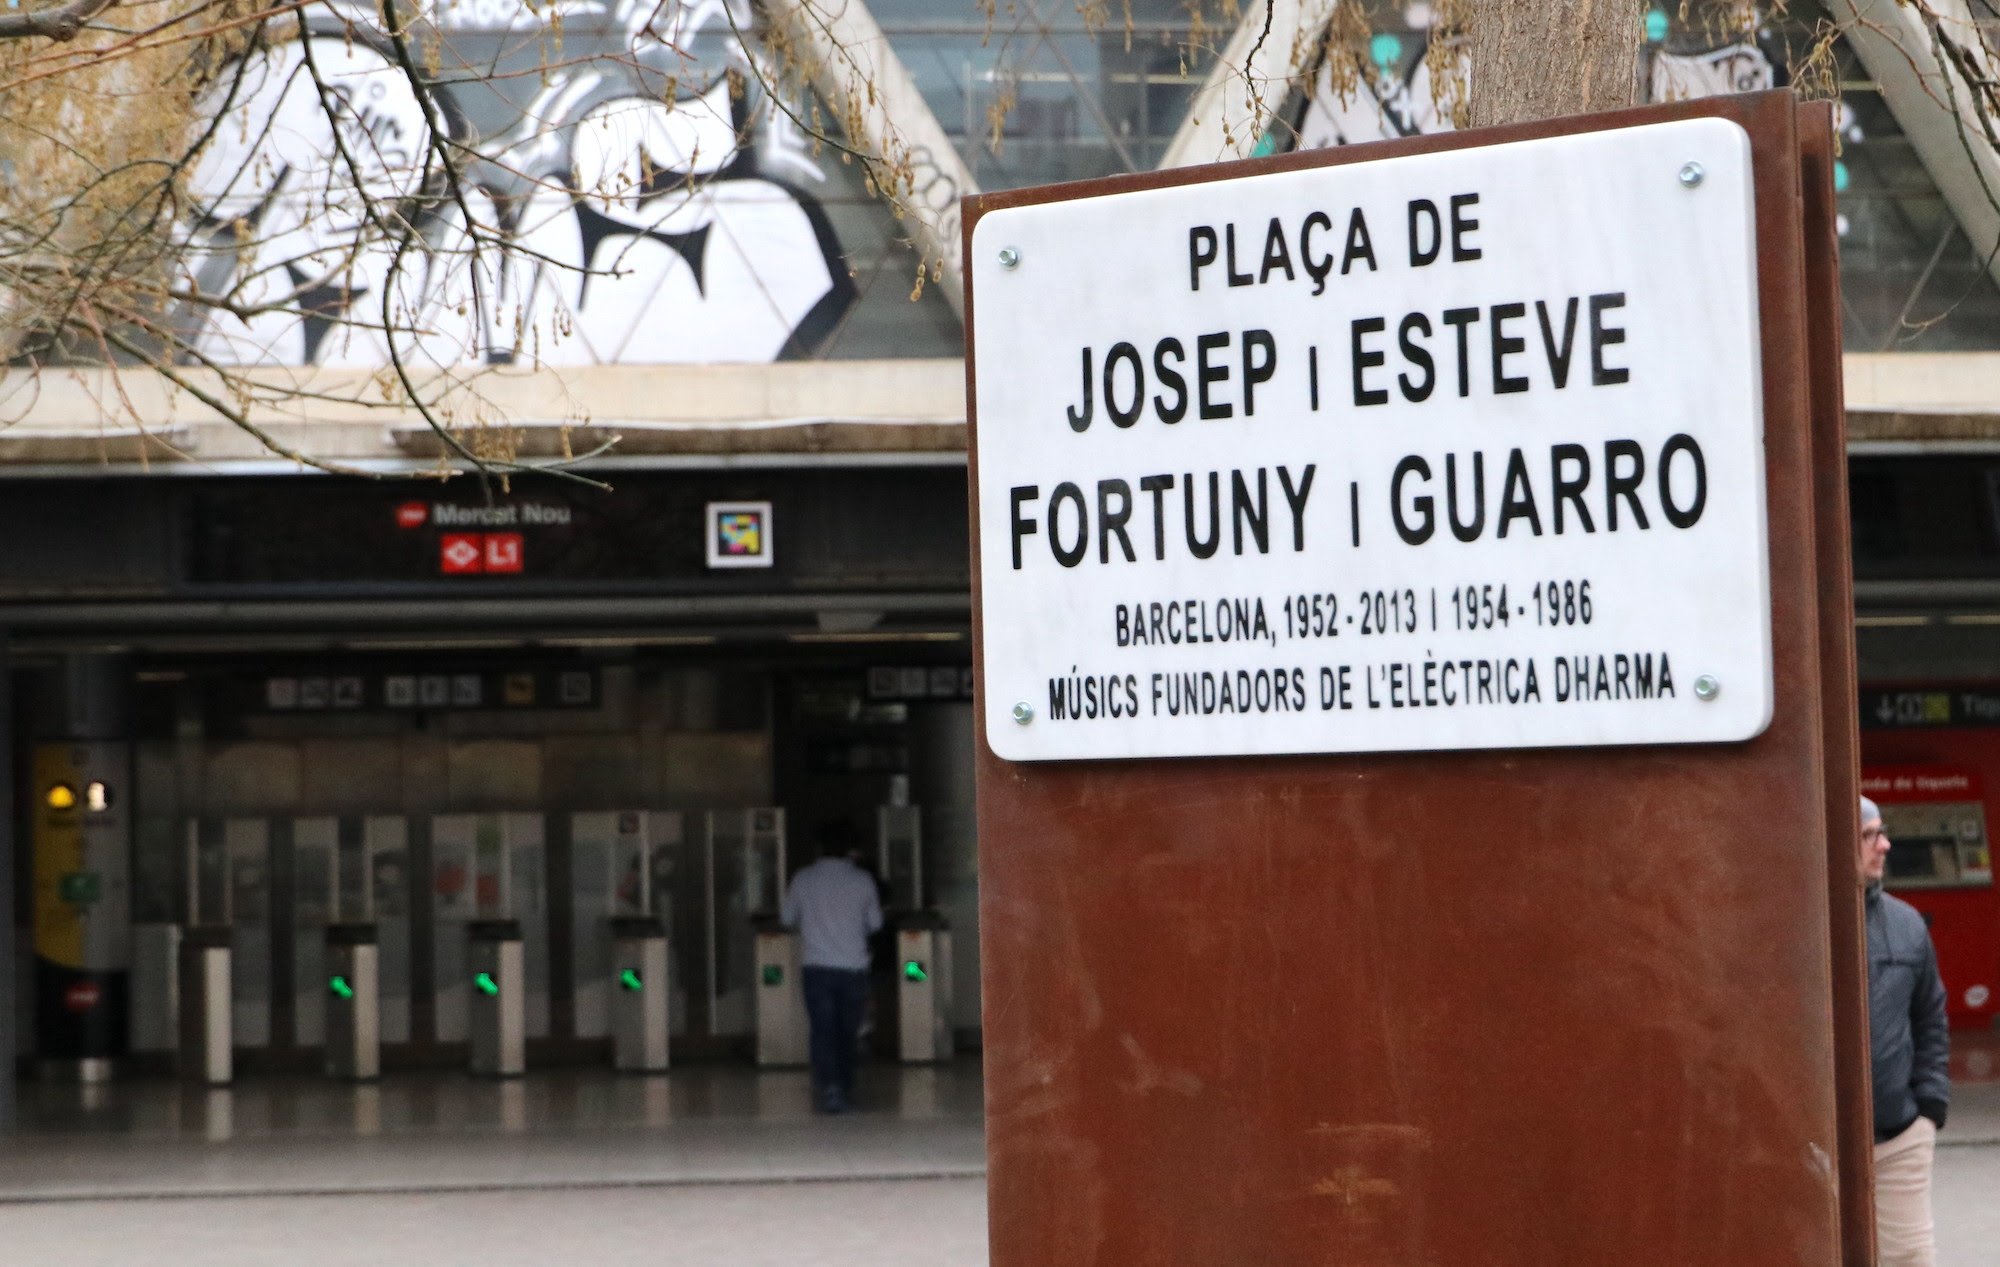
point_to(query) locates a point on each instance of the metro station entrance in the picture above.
(274, 803)
(300, 735)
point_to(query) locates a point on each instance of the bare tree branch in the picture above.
(63, 22)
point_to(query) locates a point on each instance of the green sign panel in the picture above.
(80, 888)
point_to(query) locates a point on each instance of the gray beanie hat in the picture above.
(1870, 812)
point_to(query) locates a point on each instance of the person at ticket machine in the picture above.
(834, 906)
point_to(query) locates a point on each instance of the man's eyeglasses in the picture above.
(1871, 833)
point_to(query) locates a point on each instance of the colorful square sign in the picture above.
(739, 534)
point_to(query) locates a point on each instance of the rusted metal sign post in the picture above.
(1416, 787)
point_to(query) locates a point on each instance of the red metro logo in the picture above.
(461, 553)
(481, 553)
(412, 514)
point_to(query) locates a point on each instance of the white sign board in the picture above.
(1460, 450)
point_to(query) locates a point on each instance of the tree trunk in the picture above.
(1537, 59)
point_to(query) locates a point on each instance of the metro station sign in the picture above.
(481, 553)
(1398, 455)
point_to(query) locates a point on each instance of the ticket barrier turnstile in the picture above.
(639, 995)
(343, 850)
(497, 1016)
(781, 1000)
(354, 1002)
(206, 1051)
(744, 858)
(923, 988)
(922, 941)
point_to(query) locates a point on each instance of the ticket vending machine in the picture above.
(1941, 862)
(753, 962)
(922, 968)
(625, 865)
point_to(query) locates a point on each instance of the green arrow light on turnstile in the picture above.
(914, 971)
(340, 987)
(630, 980)
(486, 983)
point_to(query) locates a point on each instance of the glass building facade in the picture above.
(1037, 93)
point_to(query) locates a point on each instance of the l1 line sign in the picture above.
(1455, 450)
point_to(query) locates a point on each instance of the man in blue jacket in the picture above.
(1911, 1046)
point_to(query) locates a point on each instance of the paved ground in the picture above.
(1968, 1206)
(887, 1223)
(711, 1167)
(910, 1223)
(1967, 1193)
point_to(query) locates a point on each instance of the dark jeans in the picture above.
(835, 1001)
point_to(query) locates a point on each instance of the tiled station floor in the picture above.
(707, 1166)
(433, 1131)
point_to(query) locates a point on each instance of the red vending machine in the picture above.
(1941, 863)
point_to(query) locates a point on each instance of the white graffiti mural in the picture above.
(1713, 73)
(1389, 100)
(638, 208)
(1395, 96)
